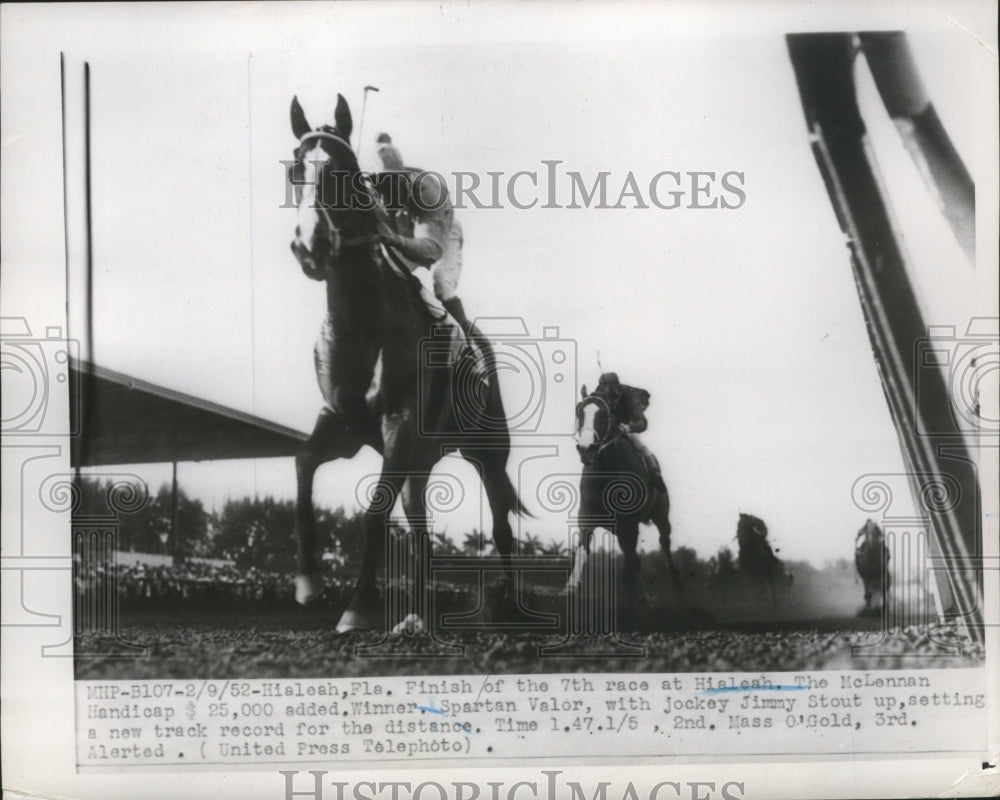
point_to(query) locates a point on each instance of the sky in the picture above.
(744, 324)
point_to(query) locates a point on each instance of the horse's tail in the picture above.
(515, 501)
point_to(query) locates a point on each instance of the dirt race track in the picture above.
(304, 644)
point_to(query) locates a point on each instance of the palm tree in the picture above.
(474, 543)
(554, 549)
(531, 545)
(443, 546)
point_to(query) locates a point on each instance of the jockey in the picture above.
(420, 227)
(869, 530)
(628, 405)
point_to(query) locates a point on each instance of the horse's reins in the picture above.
(372, 194)
(613, 432)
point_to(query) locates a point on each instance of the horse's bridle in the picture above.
(613, 432)
(333, 236)
(333, 137)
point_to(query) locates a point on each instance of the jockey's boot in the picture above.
(454, 306)
(457, 311)
(652, 465)
(655, 476)
(479, 352)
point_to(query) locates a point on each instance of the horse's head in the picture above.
(330, 190)
(750, 529)
(593, 426)
(870, 532)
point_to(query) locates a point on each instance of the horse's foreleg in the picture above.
(886, 579)
(376, 531)
(415, 508)
(363, 612)
(675, 576)
(628, 540)
(660, 517)
(581, 549)
(323, 445)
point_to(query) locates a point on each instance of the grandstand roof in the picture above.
(124, 420)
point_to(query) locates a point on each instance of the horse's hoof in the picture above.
(308, 588)
(351, 621)
(411, 624)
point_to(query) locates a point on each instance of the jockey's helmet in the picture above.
(608, 379)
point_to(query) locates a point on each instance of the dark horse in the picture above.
(756, 561)
(616, 492)
(871, 557)
(368, 362)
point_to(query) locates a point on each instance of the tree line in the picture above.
(257, 532)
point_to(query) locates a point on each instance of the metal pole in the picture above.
(932, 442)
(175, 547)
(361, 123)
(79, 265)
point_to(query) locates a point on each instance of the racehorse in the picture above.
(368, 363)
(616, 492)
(756, 560)
(871, 557)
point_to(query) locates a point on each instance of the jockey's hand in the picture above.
(624, 427)
(381, 213)
(384, 232)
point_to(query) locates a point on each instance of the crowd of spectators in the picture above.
(193, 585)
(201, 585)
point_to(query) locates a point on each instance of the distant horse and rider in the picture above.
(365, 242)
(621, 485)
(871, 558)
(756, 561)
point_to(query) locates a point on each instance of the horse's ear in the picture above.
(583, 391)
(300, 125)
(342, 117)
